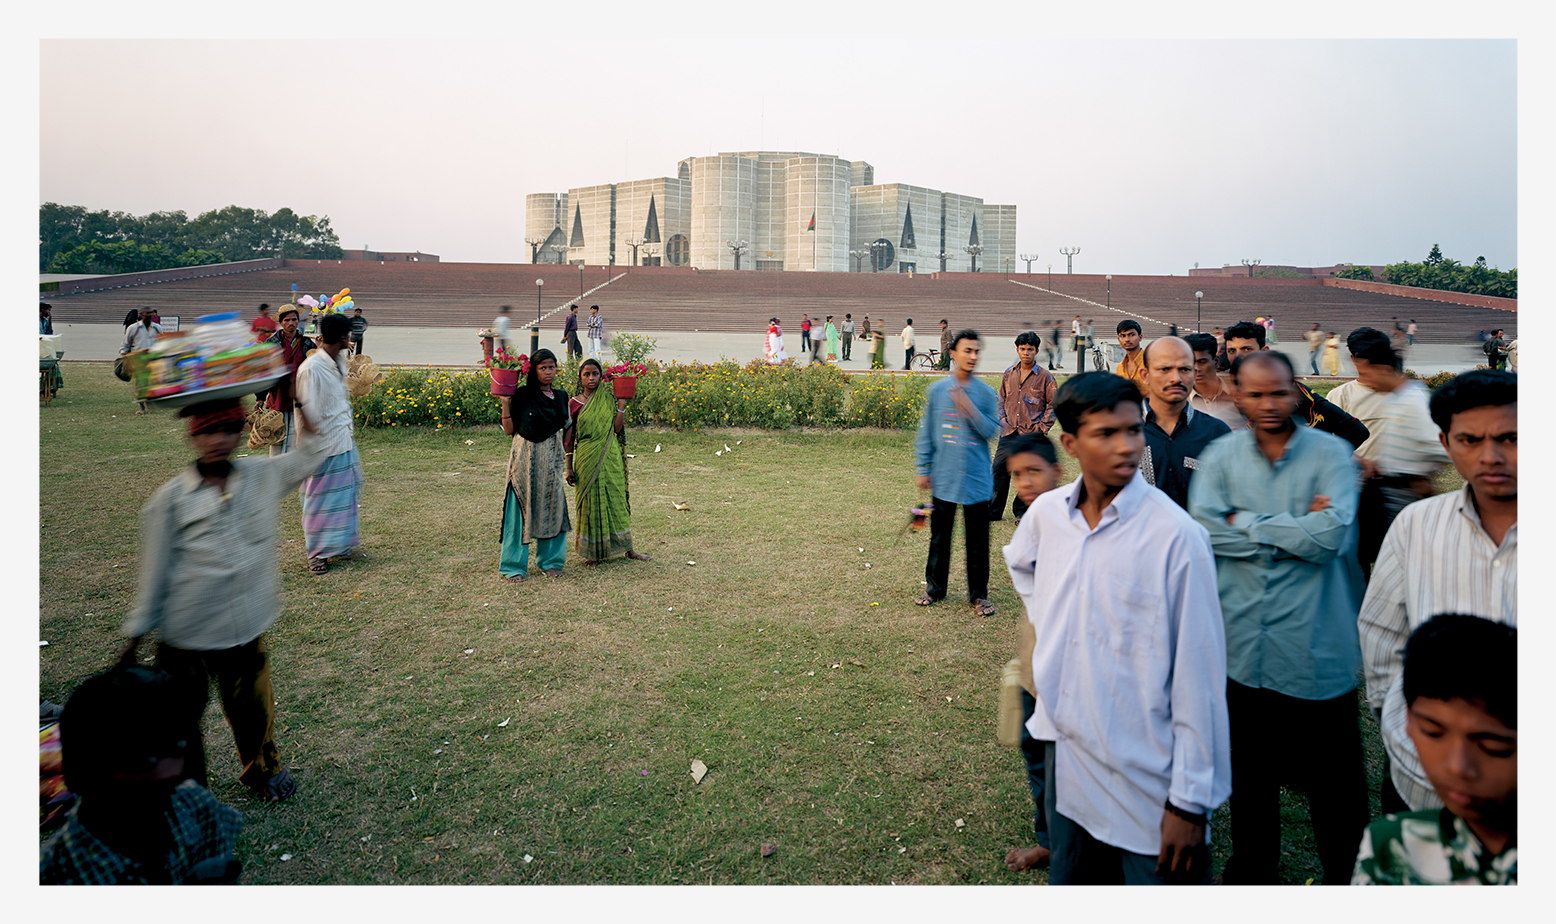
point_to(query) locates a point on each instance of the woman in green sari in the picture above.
(878, 351)
(597, 463)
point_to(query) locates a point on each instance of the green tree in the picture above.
(1352, 271)
(222, 235)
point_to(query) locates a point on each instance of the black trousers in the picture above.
(1002, 484)
(975, 522)
(1311, 744)
(907, 362)
(848, 345)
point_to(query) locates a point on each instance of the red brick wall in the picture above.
(1434, 295)
(122, 280)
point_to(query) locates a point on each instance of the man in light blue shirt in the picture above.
(961, 415)
(1279, 502)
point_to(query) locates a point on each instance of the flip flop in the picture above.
(982, 607)
(512, 578)
(279, 787)
(318, 566)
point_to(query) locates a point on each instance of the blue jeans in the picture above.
(1312, 357)
(1032, 749)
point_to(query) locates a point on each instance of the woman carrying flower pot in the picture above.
(597, 465)
(535, 505)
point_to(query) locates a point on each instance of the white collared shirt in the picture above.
(1130, 660)
(321, 387)
(1402, 439)
(1436, 558)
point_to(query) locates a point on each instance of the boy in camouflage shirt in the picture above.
(1461, 690)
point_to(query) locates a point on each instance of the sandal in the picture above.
(982, 607)
(512, 578)
(279, 788)
(925, 599)
(318, 565)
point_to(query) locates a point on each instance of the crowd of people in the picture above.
(1214, 581)
(1236, 556)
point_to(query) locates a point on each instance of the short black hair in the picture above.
(1373, 346)
(959, 336)
(1092, 391)
(1202, 343)
(910, 322)
(125, 719)
(1264, 356)
(944, 321)
(847, 315)
(505, 309)
(1033, 442)
(1246, 330)
(1128, 324)
(1027, 338)
(334, 328)
(1476, 388)
(1454, 656)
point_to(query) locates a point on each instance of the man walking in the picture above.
(1279, 502)
(804, 332)
(1401, 452)
(1211, 395)
(331, 493)
(907, 344)
(1495, 349)
(500, 330)
(596, 332)
(1053, 346)
(945, 345)
(1129, 662)
(848, 337)
(570, 333)
(1315, 342)
(208, 581)
(1175, 434)
(864, 329)
(358, 328)
(952, 451)
(1026, 405)
(263, 324)
(1454, 553)
(139, 337)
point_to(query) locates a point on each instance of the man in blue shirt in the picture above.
(1280, 503)
(961, 415)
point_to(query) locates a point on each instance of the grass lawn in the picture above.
(447, 727)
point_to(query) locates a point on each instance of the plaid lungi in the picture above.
(330, 506)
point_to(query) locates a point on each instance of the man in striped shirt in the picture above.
(1454, 553)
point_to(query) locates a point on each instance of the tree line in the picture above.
(73, 239)
(1439, 272)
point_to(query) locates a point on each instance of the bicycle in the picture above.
(1098, 362)
(927, 360)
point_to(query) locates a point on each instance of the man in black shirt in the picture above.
(1318, 413)
(1175, 434)
(358, 328)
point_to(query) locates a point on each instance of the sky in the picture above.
(1150, 155)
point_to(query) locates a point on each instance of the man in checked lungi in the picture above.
(330, 494)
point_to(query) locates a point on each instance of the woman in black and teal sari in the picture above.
(597, 465)
(535, 501)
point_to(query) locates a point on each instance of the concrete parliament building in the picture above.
(767, 200)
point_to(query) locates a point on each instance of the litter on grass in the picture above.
(699, 770)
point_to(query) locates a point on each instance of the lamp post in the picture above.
(534, 332)
(737, 248)
(1110, 291)
(534, 248)
(650, 251)
(974, 250)
(1029, 257)
(1199, 298)
(876, 249)
(634, 243)
(580, 282)
(944, 256)
(858, 256)
(1050, 276)
(1069, 253)
(1250, 264)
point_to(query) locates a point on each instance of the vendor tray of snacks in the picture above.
(216, 358)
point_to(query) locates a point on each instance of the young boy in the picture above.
(1461, 690)
(1129, 661)
(1034, 469)
(138, 820)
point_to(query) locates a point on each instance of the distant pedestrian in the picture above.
(945, 345)
(570, 333)
(596, 332)
(358, 328)
(848, 337)
(500, 330)
(1315, 342)
(1410, 332)
(878, 347)
(834, 341)
(263, 325)
(1026, 405)
(907, 344)
(804, 332)
(864, 329)
(1332, 355)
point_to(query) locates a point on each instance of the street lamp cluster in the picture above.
(1029, 257)
(876, 249)
(974, 250)
(737, 248)
(1069, 254)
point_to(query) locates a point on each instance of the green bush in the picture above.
(428, 398)
(632, 348)
(1435, 380)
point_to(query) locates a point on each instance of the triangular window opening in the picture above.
(577, 240)
(974, 238)
(907, 231)
(651, 229)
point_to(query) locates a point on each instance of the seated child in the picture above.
(136, 819)
(1461, 697)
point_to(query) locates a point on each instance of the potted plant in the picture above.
(505, 370)
(624, 378)
(486, 335)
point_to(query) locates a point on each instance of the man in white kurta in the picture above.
(1130, 657)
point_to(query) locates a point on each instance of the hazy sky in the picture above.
(1150, 155)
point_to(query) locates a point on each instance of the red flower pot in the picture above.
(626, 386)
(504, 381)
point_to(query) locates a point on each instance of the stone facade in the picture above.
(766, 199)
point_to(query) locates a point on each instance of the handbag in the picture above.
(119, 370)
